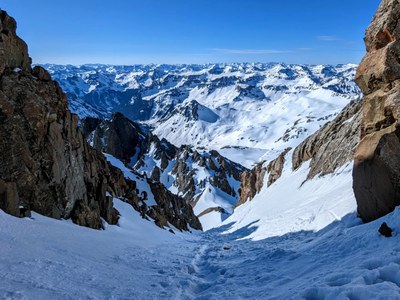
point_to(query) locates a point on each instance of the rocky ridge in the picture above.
(328, 149)
(46, 165)
(251, 183)
(333, 145)
(184, 171)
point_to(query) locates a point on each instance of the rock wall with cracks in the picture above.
(46, 165)
(377, 159)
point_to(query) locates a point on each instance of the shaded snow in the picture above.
(44, 258)
(291, 241)
(293, 204)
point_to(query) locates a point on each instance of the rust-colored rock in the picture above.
(377, 158)
(275, 167)
(251, 183)
(385, 27)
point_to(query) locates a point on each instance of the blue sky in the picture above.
(193, 31)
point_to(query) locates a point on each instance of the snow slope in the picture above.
(293, 204)
(294, 240)
(44, 258)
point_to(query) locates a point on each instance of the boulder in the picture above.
(385, 230)
(41, 73)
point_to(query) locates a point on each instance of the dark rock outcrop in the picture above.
(385, 230)
(377, 159)
(158, 158)
(119, 136)
(171, 208)
(46, 164)
(46, 157)
(9, 200)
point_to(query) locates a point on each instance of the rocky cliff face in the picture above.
(119, 136)
(251, 183)
(13, 50)
(46, 165)
(184, 171)
(377, 159)
(333, 145)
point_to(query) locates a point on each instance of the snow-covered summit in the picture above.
(215, 106)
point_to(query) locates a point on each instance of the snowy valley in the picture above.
(214, 181)
(197, 114)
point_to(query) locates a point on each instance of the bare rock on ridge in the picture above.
(333, 145)
(13, 50)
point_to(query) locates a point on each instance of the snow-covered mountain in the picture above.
(204, 179)
(245, 111)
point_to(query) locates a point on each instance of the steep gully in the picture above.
(293, 264)
(83, 188)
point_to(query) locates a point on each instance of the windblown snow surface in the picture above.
(292, 241)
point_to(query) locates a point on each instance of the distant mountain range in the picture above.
(245, 111)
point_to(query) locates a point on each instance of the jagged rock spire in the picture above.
(13, 50)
